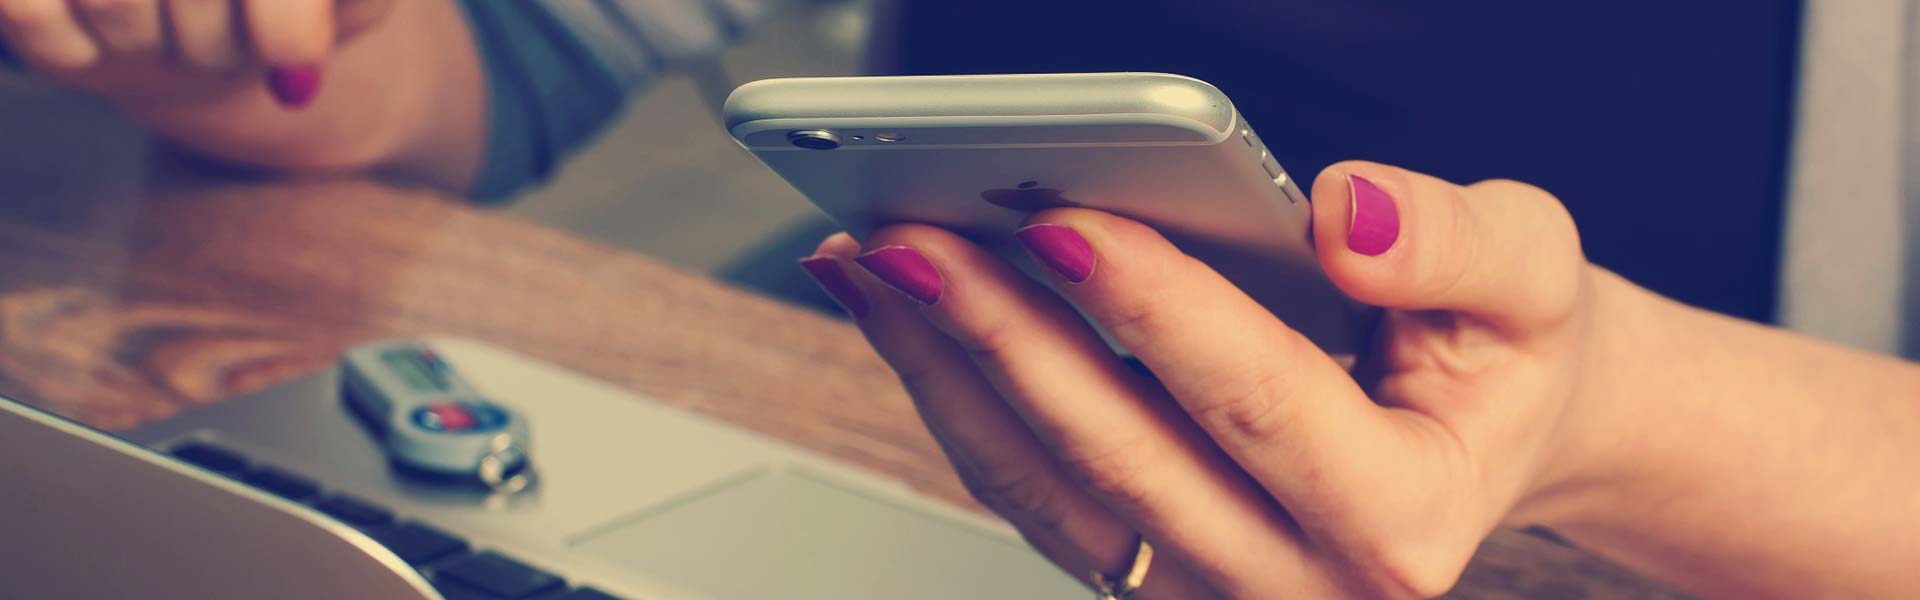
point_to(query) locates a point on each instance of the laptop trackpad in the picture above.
(798, 534)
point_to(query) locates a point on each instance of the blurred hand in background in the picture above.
(164, 50)
(242, 80)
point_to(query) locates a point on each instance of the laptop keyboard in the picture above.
(283, 484)
(448, 561)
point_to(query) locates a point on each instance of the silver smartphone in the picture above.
(977, 153)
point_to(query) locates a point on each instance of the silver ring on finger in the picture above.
(1119, 588)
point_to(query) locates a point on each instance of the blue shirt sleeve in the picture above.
(559, 70)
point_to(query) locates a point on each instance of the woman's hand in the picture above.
(168, 50)
(405, 99)
(1255, 465)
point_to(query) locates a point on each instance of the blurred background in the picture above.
(711, 203)
(1691, 132)
(663, 179)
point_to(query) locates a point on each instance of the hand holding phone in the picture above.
(1243, 447)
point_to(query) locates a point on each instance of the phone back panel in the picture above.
(1199, 181)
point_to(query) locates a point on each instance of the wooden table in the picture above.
(126, 297)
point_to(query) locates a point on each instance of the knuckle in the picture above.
(1547, 209)
(989, 337)
(1116, 475)
(1508, 191)
(1549, 248)
(1138, 318)
(1022, 498)
(1555, 217)
(1251, 411)
(1509, 187)
(1399, 570)
(1147, 303)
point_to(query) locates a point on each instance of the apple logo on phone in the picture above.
(1028, 196)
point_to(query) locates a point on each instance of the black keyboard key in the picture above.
(455, 591)
(212, 458)
(585, 593)
(283, 484)
(418, 544)
(354, 511)
(500, 576)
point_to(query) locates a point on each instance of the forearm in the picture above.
(407, 99)
(1748, 462)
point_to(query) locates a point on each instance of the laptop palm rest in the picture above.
(797, 534)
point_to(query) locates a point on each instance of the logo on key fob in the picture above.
(457, 416)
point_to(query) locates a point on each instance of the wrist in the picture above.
(1732, 458)
(1615, 438)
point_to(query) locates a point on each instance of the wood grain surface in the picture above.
(130, 293)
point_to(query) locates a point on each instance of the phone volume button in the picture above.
(1284, 183)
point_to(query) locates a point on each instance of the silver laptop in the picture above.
(284, 494)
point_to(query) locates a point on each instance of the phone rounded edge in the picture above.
(1163, 94)
(742, 106)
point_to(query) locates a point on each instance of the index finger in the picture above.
(290, 33)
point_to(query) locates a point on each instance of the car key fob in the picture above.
(431, 419)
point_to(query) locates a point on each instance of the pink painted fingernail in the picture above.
(1374, 222)
(1060, 248)
(906, 270)
(294, 87)
(833, 278)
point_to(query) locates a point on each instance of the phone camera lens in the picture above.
(814, 139)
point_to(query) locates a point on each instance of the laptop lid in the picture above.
(86, 515)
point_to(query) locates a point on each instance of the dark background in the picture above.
(1663, 126)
